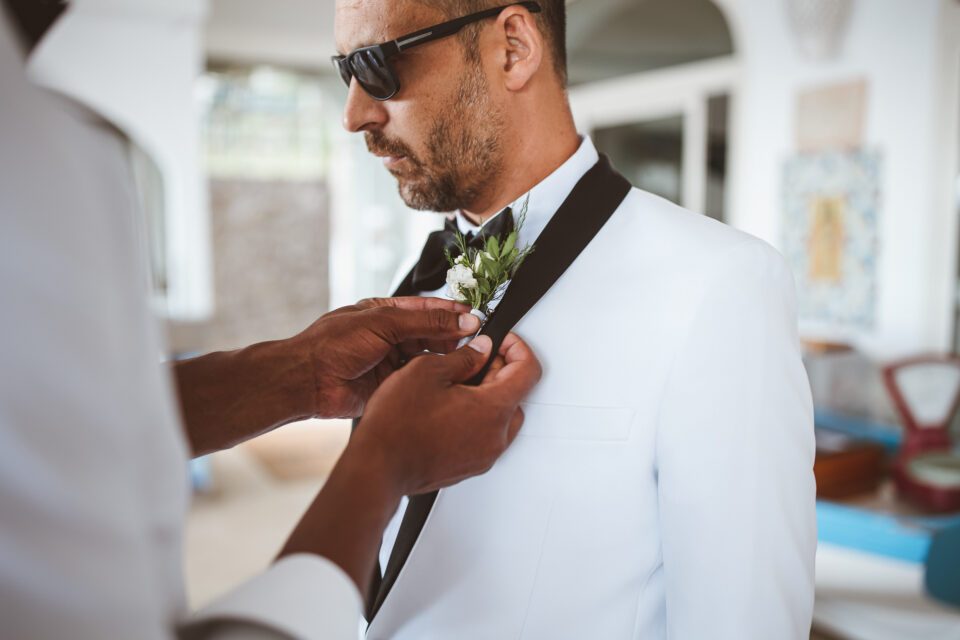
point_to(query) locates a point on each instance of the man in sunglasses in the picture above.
(662, 486)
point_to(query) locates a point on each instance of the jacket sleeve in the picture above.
(301, 596)
(735, 450)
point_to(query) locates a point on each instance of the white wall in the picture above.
(135, 63)
(284, 32)
(909, 52)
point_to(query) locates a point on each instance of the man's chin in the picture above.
(413, 194)
(421, 199)
(416, 201)
(426, 192)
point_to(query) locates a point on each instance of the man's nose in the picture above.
(362, 113)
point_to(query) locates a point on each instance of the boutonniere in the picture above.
(479, 276)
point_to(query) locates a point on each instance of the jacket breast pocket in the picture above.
(575, 422)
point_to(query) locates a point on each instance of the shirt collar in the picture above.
(547, 196)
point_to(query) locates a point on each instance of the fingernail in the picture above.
(469, 322)
(483, 344)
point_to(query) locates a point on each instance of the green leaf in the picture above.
(486, 289)
(490, 267)
(509, 244)
(493, 246)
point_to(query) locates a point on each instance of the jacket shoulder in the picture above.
(669, 234)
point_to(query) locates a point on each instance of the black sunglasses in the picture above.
(371, 65)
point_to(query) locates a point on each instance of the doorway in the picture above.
(654, 84)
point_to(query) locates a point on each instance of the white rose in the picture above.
(460, 277)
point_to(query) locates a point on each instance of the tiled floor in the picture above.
(260, 490)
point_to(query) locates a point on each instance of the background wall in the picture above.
(270, 263)
(909, 54)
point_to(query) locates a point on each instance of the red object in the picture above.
(922, 439)
(855, 470)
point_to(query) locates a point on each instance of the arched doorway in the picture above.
(653, 82)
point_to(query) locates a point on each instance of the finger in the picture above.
(382, 371)
(396, 326)
(419, 354)
(464, 363)
(514, 349)
(495, 365)
(360, 391)
(414, 303)
(392, 361)
(414, 347)
(411, 348)
(519, 375)
(353, 308)
(396, 358)
(442, 346)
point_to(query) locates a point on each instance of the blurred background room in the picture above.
(828, 128)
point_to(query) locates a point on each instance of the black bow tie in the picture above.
(430, 273)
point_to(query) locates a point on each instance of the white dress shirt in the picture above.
(93, 461)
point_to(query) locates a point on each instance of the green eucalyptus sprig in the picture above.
(479, 277)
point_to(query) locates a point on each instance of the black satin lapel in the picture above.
(405, 288)
(418, 509)
(591, 203)
(588, 207)
(34, 18)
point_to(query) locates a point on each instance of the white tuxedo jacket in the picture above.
(662, 483)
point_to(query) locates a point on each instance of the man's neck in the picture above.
(527, 165)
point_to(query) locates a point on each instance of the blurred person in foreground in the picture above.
(663, 483)
(93, 458)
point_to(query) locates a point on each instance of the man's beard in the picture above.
(464, 152)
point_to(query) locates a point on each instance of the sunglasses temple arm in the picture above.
(392, 48)
(449, 28)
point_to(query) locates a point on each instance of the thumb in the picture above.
(467, 361)
(396, 325)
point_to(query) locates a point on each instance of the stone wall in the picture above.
(270, 255)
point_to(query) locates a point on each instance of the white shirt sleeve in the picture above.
(735, 450)
(93, 470)
(301, 596)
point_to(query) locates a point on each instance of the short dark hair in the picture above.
(552, 21)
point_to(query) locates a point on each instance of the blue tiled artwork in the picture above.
(831, 238)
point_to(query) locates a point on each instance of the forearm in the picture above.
(228, 397)
(345, 523)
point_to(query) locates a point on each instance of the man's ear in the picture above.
(522, 45)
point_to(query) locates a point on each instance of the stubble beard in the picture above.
(464, 152)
